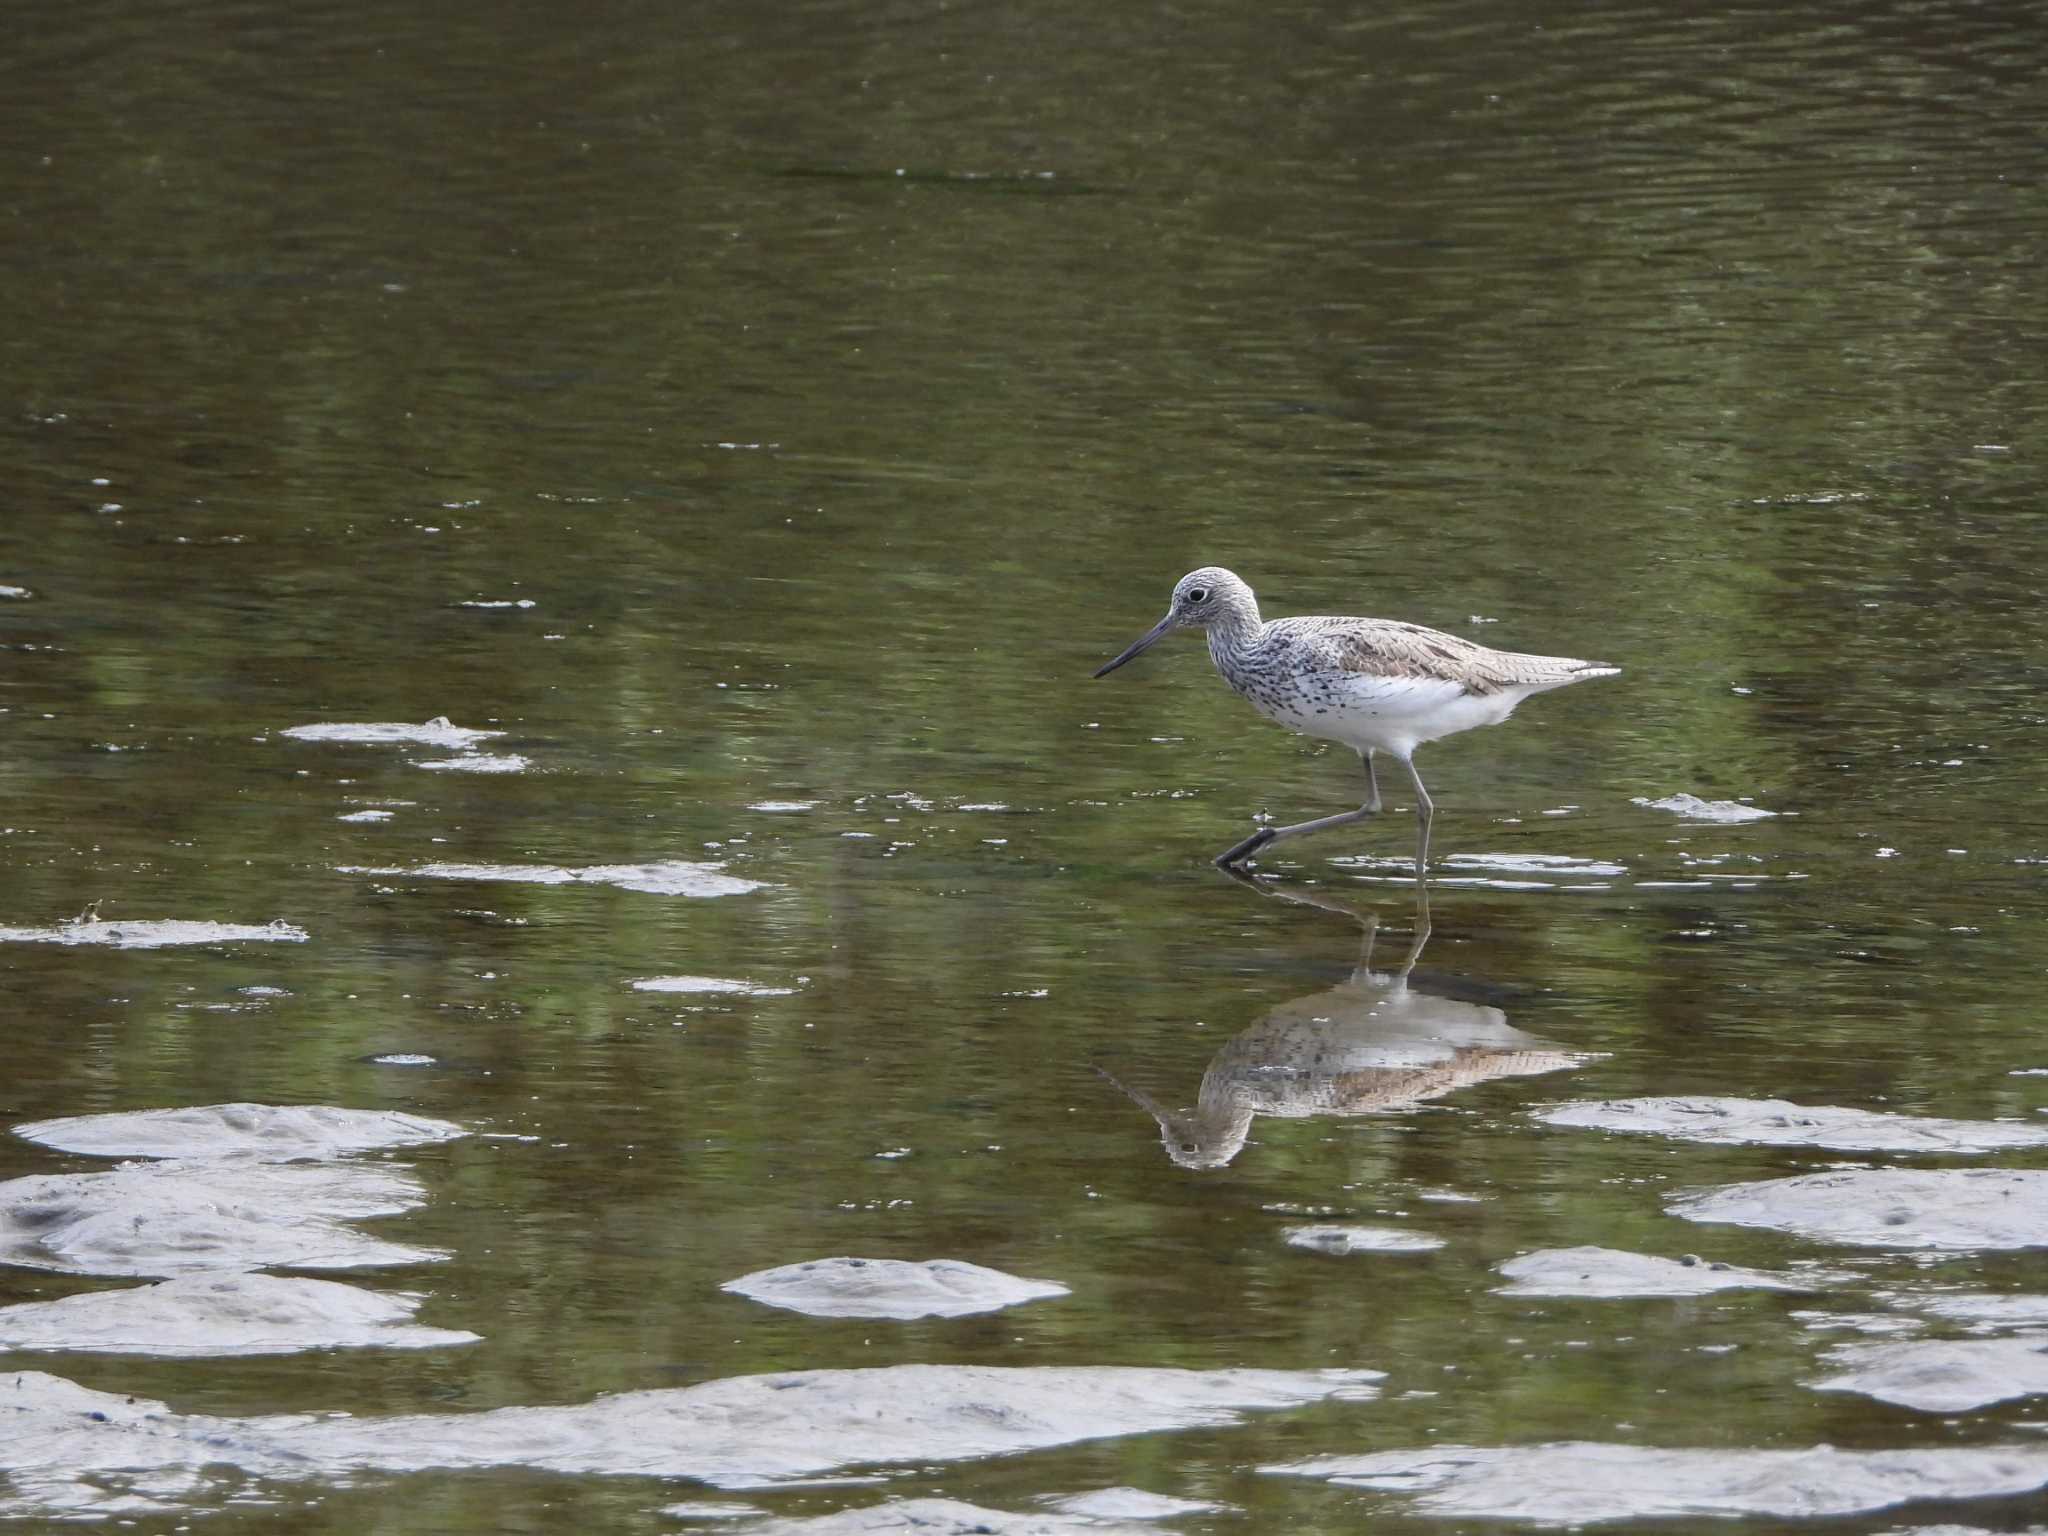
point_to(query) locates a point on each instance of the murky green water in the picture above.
(746, 408)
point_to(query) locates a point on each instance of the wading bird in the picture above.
(1376, 685)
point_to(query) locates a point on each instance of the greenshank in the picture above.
(1375, 685)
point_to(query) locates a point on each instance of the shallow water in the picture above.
(761, 422)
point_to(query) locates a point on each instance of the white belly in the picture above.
(1391, 714)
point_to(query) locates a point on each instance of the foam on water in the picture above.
(709, 984)
(155, 933)
(223, 1314)
(437, 732)
(1692, 808)
(669, 877)
(890, 1288)
(1940, 1375)
(1132, 1504)
(1558, 864)
(476, 762)
(270, 1132)
(70, 1448)
(1579, 1483)
(1341, 1241)
(1980, 1311)
(183, 1216)
(1776, 1123)
(1936, 1210)
(709, 1509)
(946, 1517)
(1611, 1274)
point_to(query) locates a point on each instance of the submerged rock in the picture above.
(179, 1217)
(1941, 1375)
(1950, 1209)
(67, 1445)
(1577, 1483)
(670, 877)
(1612, 1273)
(889, 1288)
(271, 1132)
(1776, 1123)
(211, 1314)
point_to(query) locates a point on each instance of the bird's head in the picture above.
(1200, 598)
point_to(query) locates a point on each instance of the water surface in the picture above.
(764, 420)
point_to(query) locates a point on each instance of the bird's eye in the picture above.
(1199, 595)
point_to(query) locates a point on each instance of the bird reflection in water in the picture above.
(1375, 1044)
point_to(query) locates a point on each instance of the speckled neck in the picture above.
(1236, 627)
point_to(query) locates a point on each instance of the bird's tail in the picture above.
(1540, 673)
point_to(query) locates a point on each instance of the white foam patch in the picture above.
(179, 1217)
(496, 602)
(1950, 1209)
(670, 877)
(1562, 865)
(212, 1314)
(1132, 1504)
(1693, 808)
(889, 1288)
(722, 985)
(1402, 872)
(1580, 1482)
(1614, 1274)
(1940, 1375)
(364, 816)
(477, 762)
(1776, 1123)
(783, 807)
(1876, 1325)
(1980, 1311)
(67, 1442)
(158, 933)
(272, 1132)
(14, 593)
(1343, 1241)
(437, 732)
(711, 1509)
(946, 1517)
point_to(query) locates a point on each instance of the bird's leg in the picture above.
(1265, 835)
(1424, 810)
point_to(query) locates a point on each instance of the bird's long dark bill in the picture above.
(1143, 643)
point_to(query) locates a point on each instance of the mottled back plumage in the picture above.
(1391, 648)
